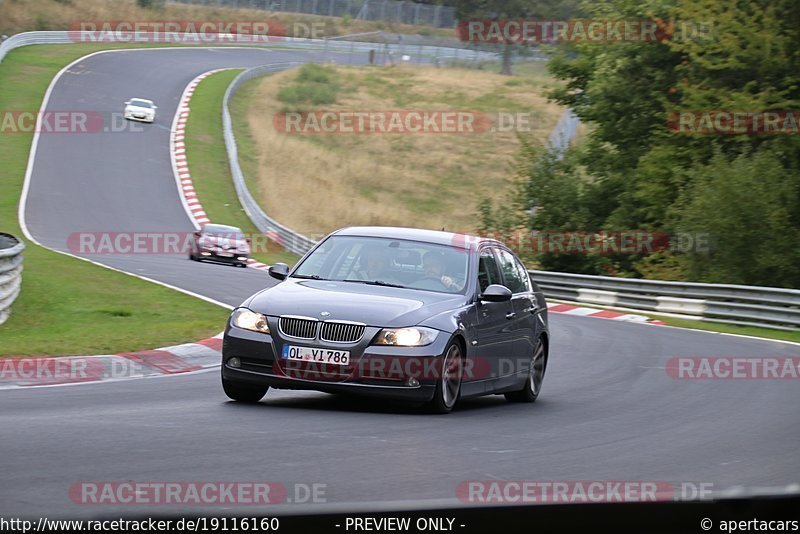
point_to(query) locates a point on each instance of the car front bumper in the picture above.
(217, 255)
(139, 117)
(376, 371)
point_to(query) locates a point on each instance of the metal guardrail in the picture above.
(287, 238)
(436, 53)
(769, 307)
(10, 272)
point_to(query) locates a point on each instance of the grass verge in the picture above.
(208, 163)
(430, 179)
(68, 306)
(29, 15)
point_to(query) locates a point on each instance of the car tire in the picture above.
(533, 383)
(448, 384)
(192, 257)
(240, 392)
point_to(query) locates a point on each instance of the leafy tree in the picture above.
(745, 205)
(636, 173)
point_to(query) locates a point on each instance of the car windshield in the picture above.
(227, 232)
(141, 103)
(389, 262)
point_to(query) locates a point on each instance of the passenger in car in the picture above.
(433, 264)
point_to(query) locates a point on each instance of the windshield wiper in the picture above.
(308, 276)
(374, 283)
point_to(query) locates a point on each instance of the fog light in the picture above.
(205, 254)
(241, 258)
(413, 382)
(234, 362)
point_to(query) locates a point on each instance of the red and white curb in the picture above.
(181, 168)
(571, 309)
(67, 370)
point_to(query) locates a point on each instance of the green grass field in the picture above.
(68, 306)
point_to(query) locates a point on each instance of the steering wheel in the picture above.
(429, 282)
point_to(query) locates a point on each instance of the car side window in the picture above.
(509, 266)
(523, 274)
(488, 273)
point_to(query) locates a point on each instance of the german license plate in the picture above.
(310, 354)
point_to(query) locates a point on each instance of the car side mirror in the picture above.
(279, 271)
(128, 103)
(155, 107)
(197, 233)
(496, 293)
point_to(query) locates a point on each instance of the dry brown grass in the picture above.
(29, 15)
(318, 183)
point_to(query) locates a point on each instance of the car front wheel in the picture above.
(533, 383)
(248, 393)
(448, 385)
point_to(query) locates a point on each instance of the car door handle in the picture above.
(532, 309)
(510, 315)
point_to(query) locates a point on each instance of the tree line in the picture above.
(676, 143)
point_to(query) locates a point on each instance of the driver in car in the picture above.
(434, 265)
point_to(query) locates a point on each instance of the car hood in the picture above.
(138, 109)
(349, 301)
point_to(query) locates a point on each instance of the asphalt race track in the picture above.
(608, 410)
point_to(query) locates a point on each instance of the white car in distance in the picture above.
(140, 109)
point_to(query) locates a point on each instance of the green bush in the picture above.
(314, 85)
(747, 206)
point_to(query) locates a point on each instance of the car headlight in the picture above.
(249, 320)
(406, 337)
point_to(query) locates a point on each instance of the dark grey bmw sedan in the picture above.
(400, 313)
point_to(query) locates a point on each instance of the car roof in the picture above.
(141, 100)
(454, 239)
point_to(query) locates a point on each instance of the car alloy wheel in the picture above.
(533, 382)
(448, 386)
